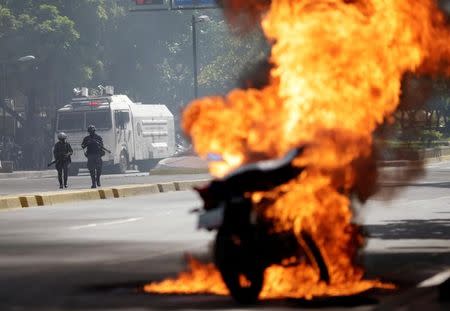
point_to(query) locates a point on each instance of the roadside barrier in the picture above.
(188, 185)
(28, 201)
(10, 202)
(58, 197)
(132, 190)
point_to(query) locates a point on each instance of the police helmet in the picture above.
(91, 128)
(62, 136)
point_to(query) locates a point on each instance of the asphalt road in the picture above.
(83, 181)
(94, 255)
(389, 178)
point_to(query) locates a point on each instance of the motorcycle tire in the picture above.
(239, 267)
(315, 255)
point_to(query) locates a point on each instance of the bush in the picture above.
(429, 137)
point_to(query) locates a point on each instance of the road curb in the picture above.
(10, 202)
(178, 170)
(58, 197)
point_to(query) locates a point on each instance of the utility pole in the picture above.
(195, 20)
(4, 96)
(194, 53)
(181, 5)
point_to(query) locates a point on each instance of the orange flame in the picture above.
(204, 278)
(200, 279)
(338, 66)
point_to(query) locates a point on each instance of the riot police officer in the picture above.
(62, 152)
(94, 153)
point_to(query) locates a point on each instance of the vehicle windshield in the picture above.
(73, 121)
(78, 121)
(101, 119)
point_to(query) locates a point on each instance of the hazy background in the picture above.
(146, 55)
(149, 57)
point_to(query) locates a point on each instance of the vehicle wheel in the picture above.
(122, 166)
(239, 267)
(73, 171)
(315, 255)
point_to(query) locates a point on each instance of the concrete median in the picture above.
(106, 193)
(10, 202)
(59, 197)
(28, 200)
(132, 190)
(188, 185)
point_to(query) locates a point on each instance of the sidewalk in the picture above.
(181, 165)
(28, 174)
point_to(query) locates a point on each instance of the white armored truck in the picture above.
(135, 133)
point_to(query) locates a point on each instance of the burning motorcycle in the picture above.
(246, 243)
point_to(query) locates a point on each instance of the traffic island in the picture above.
(181, 165)
(10, 202)
(60, 197)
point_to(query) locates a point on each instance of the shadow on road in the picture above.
(115, 285)
(212, 302)
(96, 286)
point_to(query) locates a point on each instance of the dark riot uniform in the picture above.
(94, 153)
(62, 152)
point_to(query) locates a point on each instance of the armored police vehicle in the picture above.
(135, 133)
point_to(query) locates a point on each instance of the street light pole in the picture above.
(4, 96)
(194, 21)
(194, 53)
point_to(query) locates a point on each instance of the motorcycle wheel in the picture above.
(315, 255)
(238, 264)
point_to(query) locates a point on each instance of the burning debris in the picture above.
(336, 74)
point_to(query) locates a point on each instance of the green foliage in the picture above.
(65, 37)
(8, 21)
(91, 42)
(431, 135)
(222, 56)
(425, 109)
(229, 55)
(40, 27)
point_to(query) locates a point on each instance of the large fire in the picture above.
(338, 66)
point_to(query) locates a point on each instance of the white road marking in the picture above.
(117, 222)
(436, 279)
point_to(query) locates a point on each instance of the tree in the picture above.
(223, 56)
(92, 42)
(60, 34)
